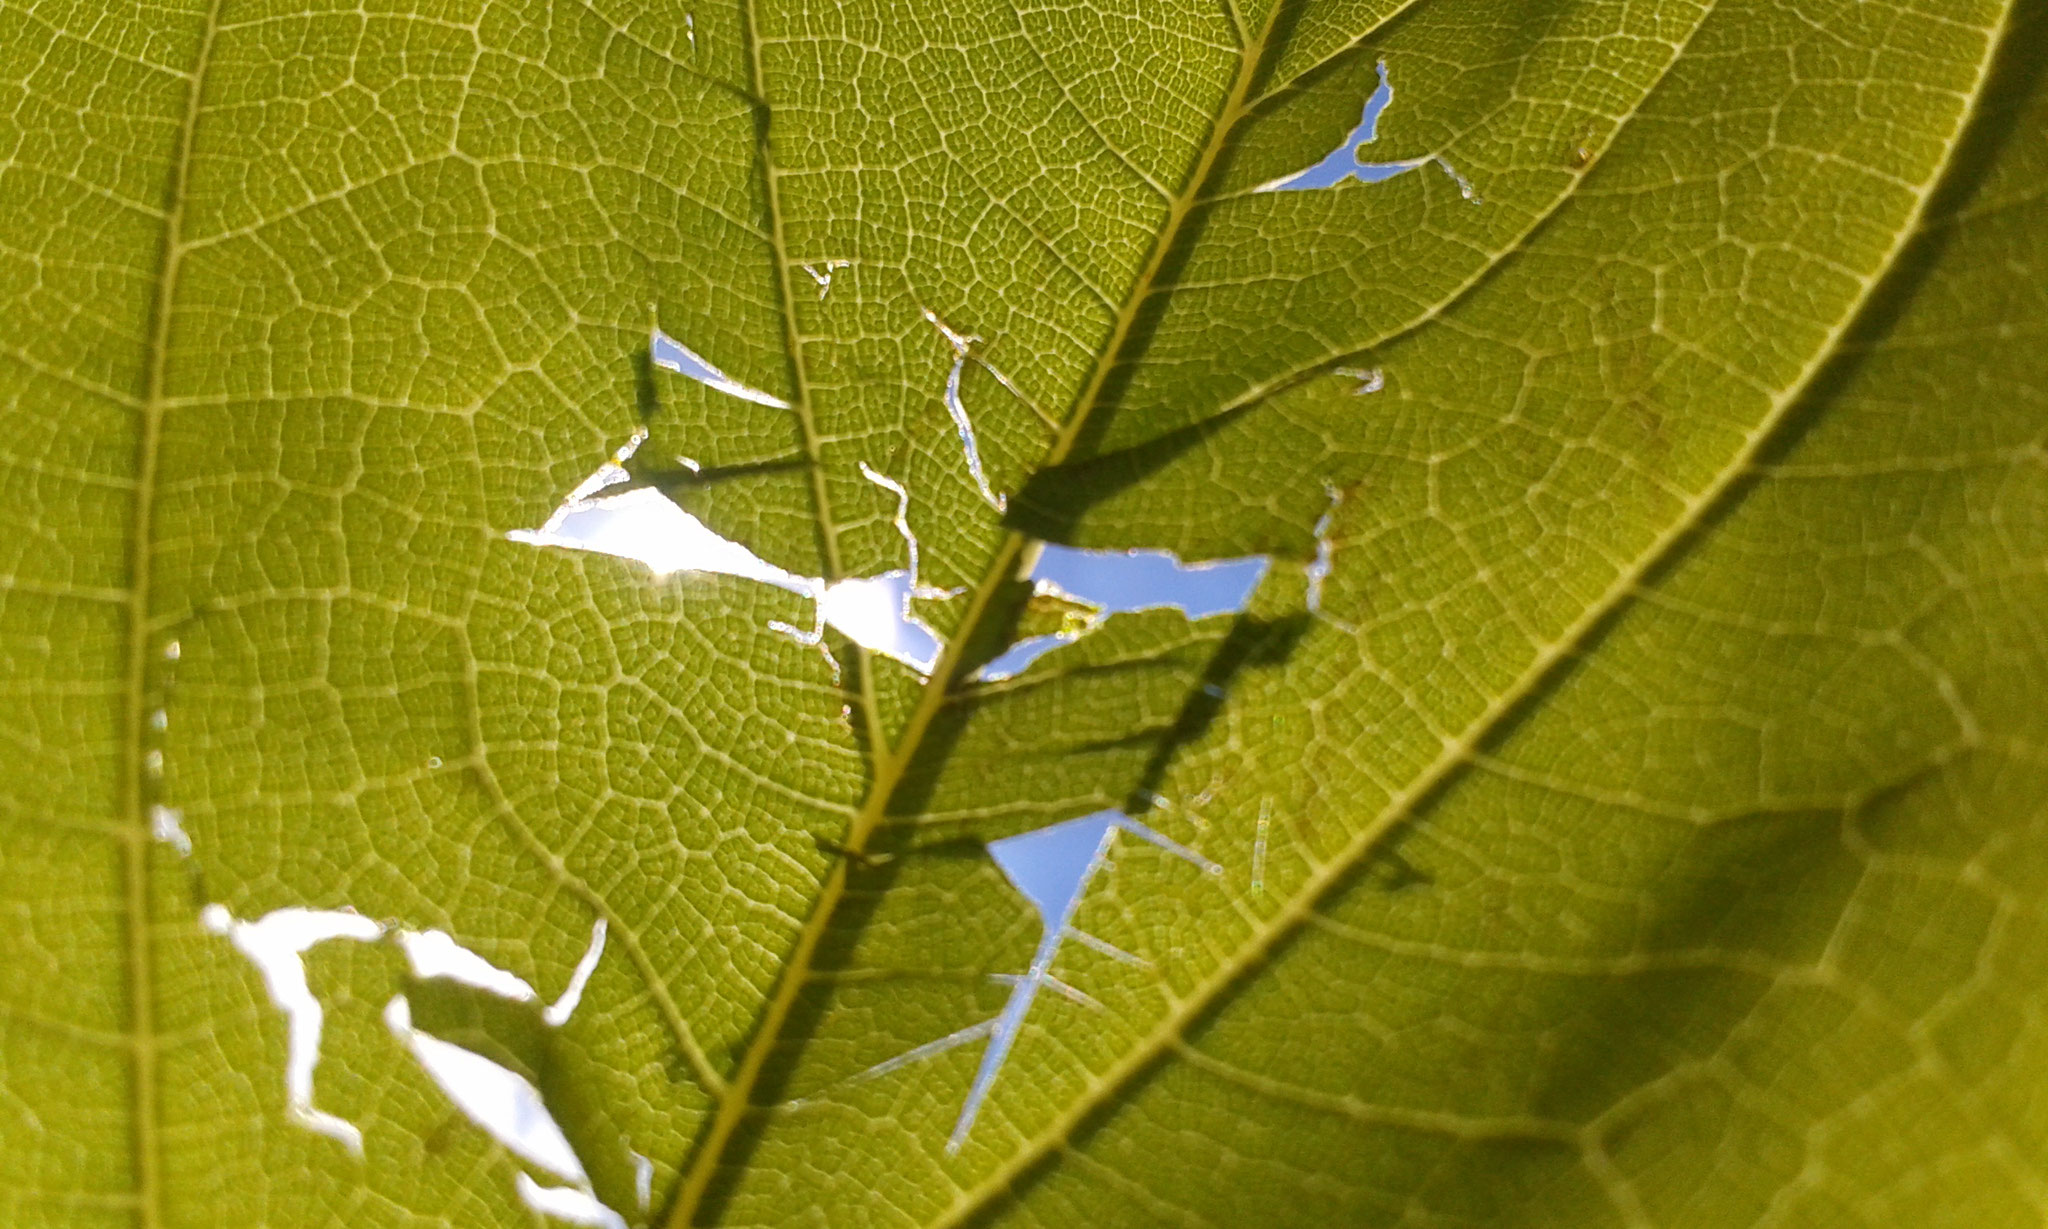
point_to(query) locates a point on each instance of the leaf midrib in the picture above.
(1304, 904)
(139, 785)
(889, 766)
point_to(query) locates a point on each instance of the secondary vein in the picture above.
(139, 783)
(1304, 905)
(890, 766)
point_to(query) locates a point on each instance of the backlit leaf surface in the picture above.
(1627, 784)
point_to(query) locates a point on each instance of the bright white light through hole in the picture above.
(578, 1207)
(435, 953)
(500, 1101)
(276, 944)
(167, 826)
(647, 526)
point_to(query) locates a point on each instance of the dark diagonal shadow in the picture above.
(1782, 855)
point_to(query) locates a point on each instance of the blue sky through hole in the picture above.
(1124, 581)
(1343, 162)
(1050, 866)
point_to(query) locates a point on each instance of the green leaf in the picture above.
(1625, 786)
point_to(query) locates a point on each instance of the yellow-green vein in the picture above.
(889, 766)
(139, 782)
(1168, 1034)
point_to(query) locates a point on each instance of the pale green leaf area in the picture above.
(1628, 786)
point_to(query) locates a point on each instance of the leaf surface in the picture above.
(1623, 788)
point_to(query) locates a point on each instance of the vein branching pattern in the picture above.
(1624, 786)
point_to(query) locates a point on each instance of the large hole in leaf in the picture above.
(504, 1103)
(606, 515)
(1112, 582)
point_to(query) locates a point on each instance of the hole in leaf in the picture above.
(167, 826)
(1343, 163)
(1120, 582)
(276, 944)
(1050, 867)
(822, 274)
(494, 1097)
(435, 953)
(567, 1203)
(1319, 567)
(1370, 379)
(646, 525)
(963, 344)
(677, 357)
(504, 1103)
